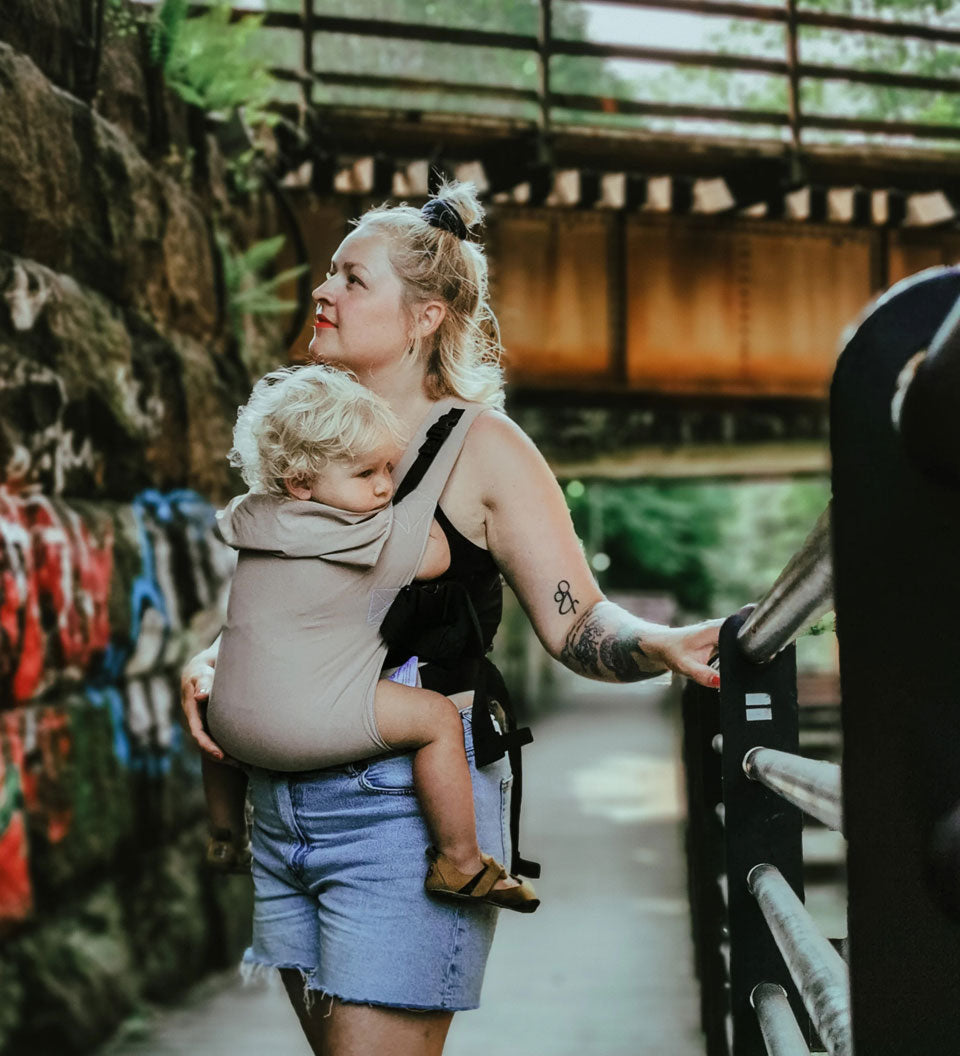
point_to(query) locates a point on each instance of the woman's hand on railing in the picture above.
(688, 650)
(196, 680)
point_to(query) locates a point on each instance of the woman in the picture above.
(404, 307)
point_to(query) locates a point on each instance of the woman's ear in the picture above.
(296, 489)
(429, 316)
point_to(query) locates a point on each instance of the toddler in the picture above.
(321, 553)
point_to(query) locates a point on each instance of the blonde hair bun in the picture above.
(463, 197)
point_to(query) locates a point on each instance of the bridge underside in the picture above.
(652, 436)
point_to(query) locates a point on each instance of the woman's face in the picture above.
(360, 320)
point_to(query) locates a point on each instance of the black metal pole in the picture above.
(704, 844)
(897, 584)
(758, 704)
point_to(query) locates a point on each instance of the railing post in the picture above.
(307, 83)
(793, 88)
(758, 706)
(704, 846)
(544, 44)
(897, 582)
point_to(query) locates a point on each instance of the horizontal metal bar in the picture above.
(670, 56)
(816, 968)
(778, 1025)
(810, 784)
(881, 78)
(918, 129)
(802, 593)
(608, 105)
(410, 84)
(615, 105)
(815, 19)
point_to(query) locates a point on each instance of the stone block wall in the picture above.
(119, 382)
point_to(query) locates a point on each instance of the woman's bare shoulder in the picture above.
(501, 454)
(497, 455)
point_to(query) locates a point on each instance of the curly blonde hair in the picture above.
(300, 418)
(463, 353)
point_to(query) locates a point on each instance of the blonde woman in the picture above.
(404, 306)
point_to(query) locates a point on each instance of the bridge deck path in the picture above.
(603, 968)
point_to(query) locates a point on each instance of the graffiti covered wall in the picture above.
(119, 382)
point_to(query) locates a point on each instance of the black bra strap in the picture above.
(436, 434)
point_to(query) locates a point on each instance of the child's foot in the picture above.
(491, 883)
(227, 853)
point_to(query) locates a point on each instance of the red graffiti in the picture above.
(21, 638)
(73, 582)
(16, 895)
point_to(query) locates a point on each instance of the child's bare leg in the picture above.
(225, 790)
(410, 718)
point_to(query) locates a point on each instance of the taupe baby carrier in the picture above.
(302, 648)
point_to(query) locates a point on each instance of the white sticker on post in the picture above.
(758, 707)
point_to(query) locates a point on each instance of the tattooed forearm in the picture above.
(604, 645)
(567, 601)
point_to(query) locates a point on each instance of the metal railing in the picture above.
(556, 108)
(770, 982)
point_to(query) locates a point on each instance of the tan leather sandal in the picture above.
(445, 880)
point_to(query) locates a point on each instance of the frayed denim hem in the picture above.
(252, 969)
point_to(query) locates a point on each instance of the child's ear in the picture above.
(296, 489)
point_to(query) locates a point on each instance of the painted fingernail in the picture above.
(715, 681)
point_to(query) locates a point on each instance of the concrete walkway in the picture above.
(602, 969)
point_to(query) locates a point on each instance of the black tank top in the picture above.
(475, 568)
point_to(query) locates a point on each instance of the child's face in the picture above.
(359, 485)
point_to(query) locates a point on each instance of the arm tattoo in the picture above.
(567, 602)
(600, 648)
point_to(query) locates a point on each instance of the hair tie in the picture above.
(438, 212)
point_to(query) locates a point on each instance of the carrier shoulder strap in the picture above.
(427, 452)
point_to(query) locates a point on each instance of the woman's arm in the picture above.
(195, 682)
(531, 537)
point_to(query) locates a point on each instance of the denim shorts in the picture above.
(338, 871)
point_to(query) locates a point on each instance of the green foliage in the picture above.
(714, 546)
(657, 535)
(248, 292)
(120, 18)
(211, 62)
(768, 523)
